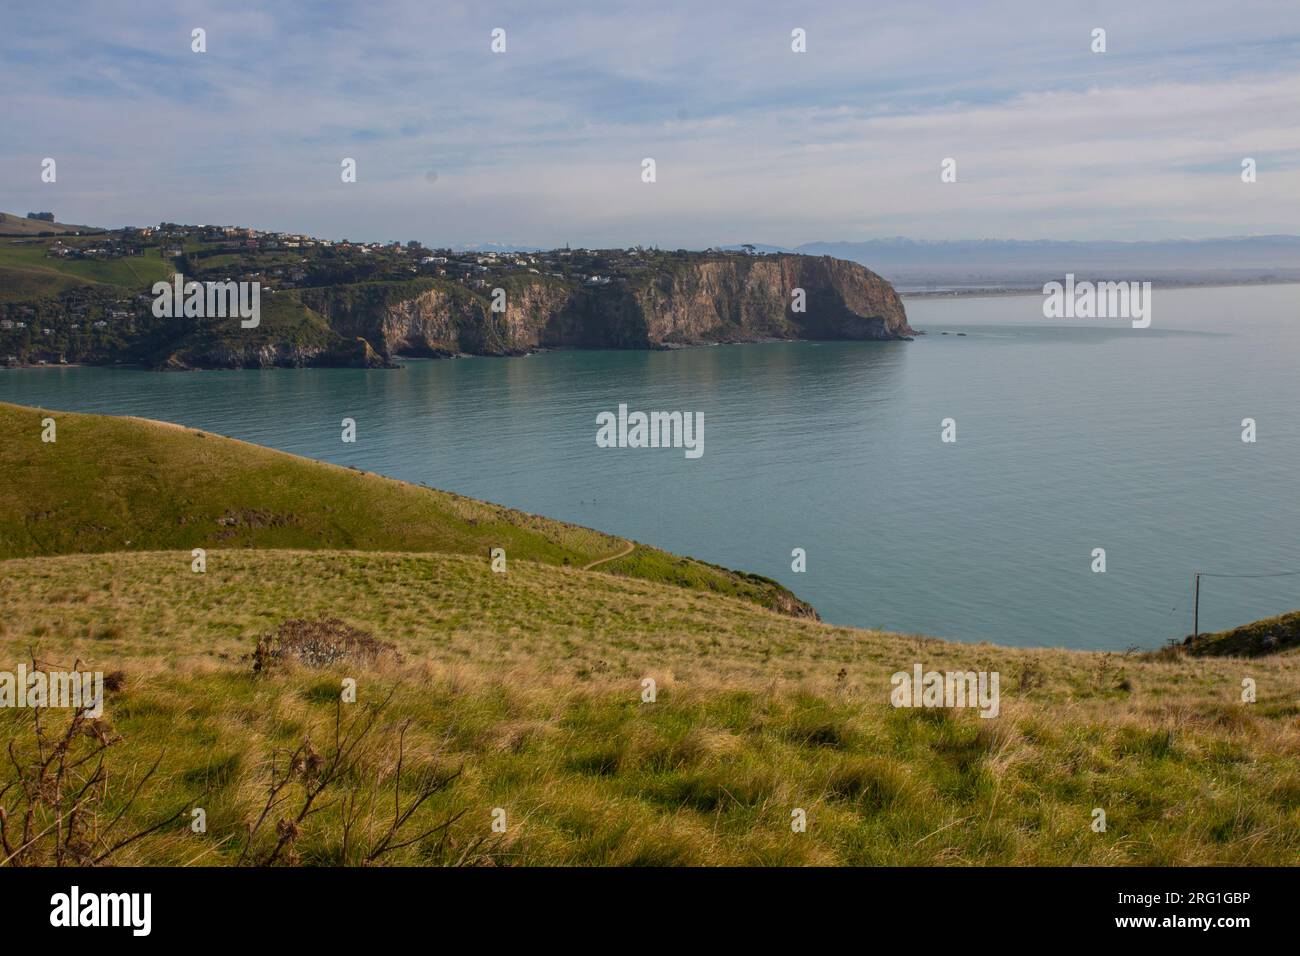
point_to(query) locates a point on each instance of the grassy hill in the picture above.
(529, 684)
(23, 283)
(27, 273)
(117, 484)
(521, 697)
(11, 225)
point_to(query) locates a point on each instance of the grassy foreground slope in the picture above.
(530, 685)
(520, 699)
(117, 484)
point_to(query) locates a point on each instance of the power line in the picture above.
(1196, 590)
(1264, 574)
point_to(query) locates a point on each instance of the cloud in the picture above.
(543, 144)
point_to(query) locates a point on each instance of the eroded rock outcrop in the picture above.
(701, 301)
(687, 299)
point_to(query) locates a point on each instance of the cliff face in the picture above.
(743, 299)
(704, 301)
(443, 318)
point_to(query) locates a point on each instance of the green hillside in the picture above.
(285, 323)
(25, 283)
(29, 273)
(12, 225)
(116, 484)
(529, 686)
(552, 714)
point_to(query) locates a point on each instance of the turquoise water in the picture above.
(1068, 439)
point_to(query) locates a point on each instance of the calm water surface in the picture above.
(1068, 439)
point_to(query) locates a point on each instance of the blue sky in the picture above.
(543, 144)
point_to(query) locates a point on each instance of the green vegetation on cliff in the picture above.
(1267, 636)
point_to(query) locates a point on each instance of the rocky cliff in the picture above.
(684, 299)
(693, 302)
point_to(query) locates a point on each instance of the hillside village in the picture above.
(49, 317)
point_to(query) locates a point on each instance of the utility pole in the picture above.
(1196, 606)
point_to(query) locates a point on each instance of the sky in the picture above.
(544, 143)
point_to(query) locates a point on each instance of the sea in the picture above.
(1095, 467)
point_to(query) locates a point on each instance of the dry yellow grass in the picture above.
(530, 683)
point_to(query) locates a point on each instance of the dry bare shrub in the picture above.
(320, 644)
(54, 810)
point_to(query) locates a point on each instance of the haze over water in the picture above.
(1070, 437)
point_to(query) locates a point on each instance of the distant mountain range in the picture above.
(919, 264)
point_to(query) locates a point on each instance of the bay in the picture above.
(1070, 437)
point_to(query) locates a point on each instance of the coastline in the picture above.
(449, 356)
(975, 293)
